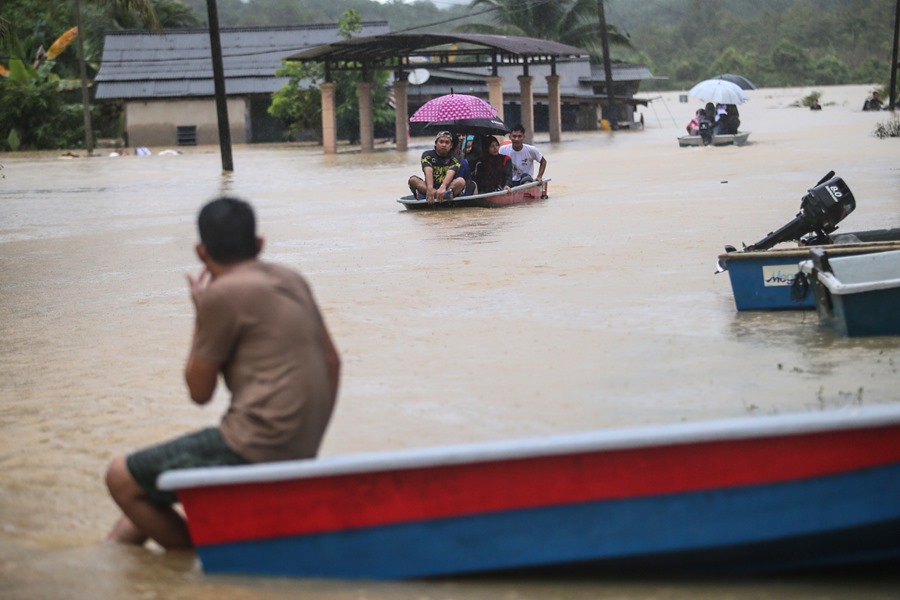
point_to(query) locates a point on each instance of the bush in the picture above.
(888, 129)
(33, 116)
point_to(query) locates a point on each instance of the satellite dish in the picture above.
(418, 76)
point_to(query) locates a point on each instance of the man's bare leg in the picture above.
(142, 518)
(125, 532)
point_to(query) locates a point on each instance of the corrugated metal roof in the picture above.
(620, 72)
(387, 50)
(575, 78)
(144, 64)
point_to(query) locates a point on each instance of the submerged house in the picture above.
(165, 80)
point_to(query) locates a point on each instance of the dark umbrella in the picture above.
(475, 126)
(740, 80)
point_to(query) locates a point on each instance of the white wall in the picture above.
(155, 122)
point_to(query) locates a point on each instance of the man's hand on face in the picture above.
(197, 285)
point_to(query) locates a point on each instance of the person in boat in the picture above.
(439, 172)
(258, 325)
(693, 128)
(465, 171)
(494, 171)
(707, 121)
(523, 157)
(728, 120)
(473, 150)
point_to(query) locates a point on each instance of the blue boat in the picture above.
(767, 280)
(856, 295)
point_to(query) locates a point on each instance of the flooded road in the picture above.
(595, 309)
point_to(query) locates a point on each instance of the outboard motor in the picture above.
(821, 209)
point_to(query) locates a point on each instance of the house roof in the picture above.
(178, 62)
(395, 49)
(620, 72)
(577, 78)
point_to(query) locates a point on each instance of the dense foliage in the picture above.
(572, 22)
(772, 42)
(35, 112)
(40, 107)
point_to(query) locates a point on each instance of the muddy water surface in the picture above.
(595, 309)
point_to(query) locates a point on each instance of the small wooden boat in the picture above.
(753, 494)
(738, 139)
(529, 192)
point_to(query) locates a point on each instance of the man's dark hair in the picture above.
(228, 230)
(518, 127)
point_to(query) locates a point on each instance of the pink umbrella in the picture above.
(452, 107)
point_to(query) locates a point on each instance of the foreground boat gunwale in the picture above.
(608, 440)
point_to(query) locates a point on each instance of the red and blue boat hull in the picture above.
(756, 494)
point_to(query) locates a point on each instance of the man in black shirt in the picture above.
(439, 168)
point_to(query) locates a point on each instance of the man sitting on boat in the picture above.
(258, 324)
(523, 157)
(438, 166)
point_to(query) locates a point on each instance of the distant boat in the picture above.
(529, 192)
(738, 139)
(737, 496)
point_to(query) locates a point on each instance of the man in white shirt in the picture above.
(523, 157)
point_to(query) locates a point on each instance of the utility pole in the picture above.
(894, 58)
(85, 96)
(219, 82)
(607, 66)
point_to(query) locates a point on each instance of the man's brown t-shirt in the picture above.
(260, 323)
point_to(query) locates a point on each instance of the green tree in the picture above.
(791, 64)
(830, 70)
(729, 61)
(572, 22)
(44, 20)
(873, 70)
(33, 112)
(299, 102)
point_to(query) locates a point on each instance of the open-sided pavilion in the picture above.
(402, 53)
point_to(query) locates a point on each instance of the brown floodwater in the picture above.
(595, 309)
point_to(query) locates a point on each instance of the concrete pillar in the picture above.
(329, 118)
(401, 110)
(366, 125)
(555, 104)
(495, 94)
(526, 93)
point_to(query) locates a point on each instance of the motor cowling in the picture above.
(821, 209)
